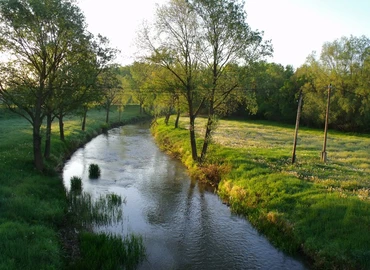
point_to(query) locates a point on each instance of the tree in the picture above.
(110, 85)
(276, 90)
(38, 34)
(75, 83)
(345, 64)
(200, 42)
(138, 83)
(101, 55)
(173, 43)
(167, 99)
(226, 39)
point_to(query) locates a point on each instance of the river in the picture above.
(184, 225)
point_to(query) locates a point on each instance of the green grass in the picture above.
(76, 185)
(319, 210)
(33, 206)
(94, 171)
(109, 252)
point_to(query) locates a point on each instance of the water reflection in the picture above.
(183, 225)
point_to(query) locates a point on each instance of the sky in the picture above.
(295, 27)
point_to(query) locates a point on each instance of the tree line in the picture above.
(343, 63)
(201, 57)
(197, 58)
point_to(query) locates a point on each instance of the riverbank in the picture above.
(33, 206)
(321, 211)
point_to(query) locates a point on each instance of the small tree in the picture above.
(110, 86)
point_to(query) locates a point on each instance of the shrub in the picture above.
(76, 184)
(94, 171)
(104, 128)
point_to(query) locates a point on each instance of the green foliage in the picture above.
(275, 91)
(110, 84)
(105, 127)
(137, 81)
(344, 63)
(321, 210)
(52, 72)
(94, 171)
(76, 184)
(27, 81)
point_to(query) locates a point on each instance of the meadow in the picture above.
(34, 218)
(318, 210)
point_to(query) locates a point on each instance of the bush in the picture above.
(94, 171)
(104, 128)
(76, 184)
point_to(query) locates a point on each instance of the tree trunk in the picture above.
(167, 118)
(37, 151)
(48, 136)
(61, 127)
(193, 142)
(207, 138)
(178, 112)
(209, 127)
(107, 115)
(84, 119)
(37, 154)
(177, 119)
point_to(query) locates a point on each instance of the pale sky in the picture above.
(296, 27)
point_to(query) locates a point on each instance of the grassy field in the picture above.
(33, 207)
(320, 210)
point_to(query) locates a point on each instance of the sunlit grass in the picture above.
(320, 209)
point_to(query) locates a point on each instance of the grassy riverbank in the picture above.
(319, 210)
(33, 206)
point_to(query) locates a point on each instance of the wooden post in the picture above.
(323, 153)
(297, 125)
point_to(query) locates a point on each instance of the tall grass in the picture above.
(109, 252)
(102, 251)
(86, 212)
(319, 210)
(94, 171)
(33, 206)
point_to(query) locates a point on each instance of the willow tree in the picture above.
(226, 39)
(37, 35)
(173, 43)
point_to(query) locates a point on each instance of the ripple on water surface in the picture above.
(183, 225)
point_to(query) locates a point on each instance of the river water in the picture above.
(184, 225)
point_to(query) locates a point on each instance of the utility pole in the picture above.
(297, 125)
(323, 153)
